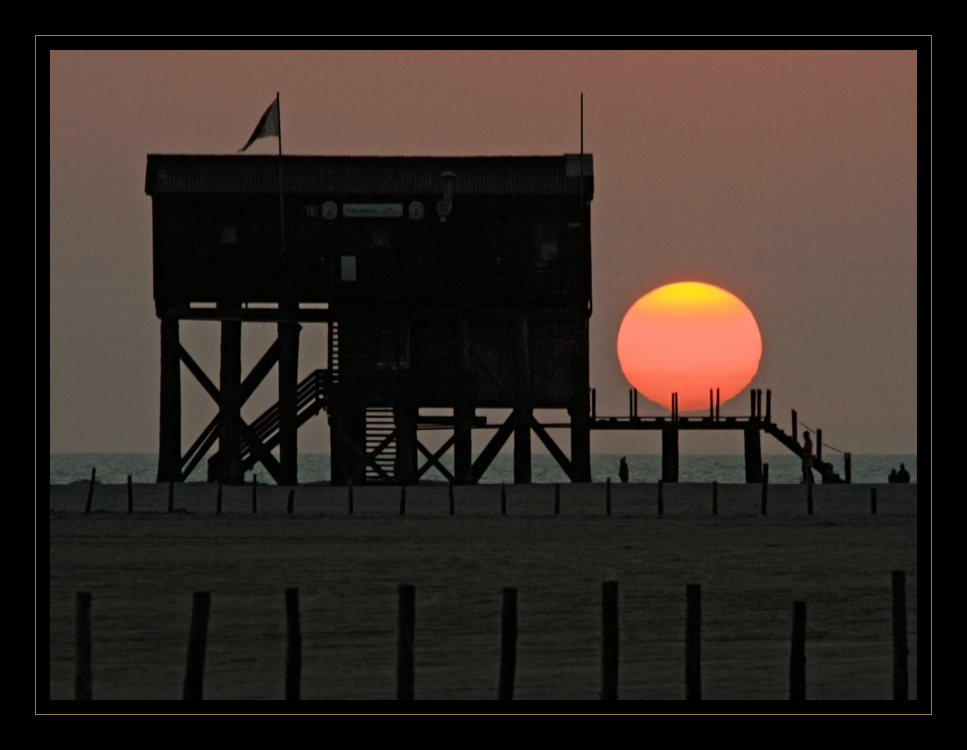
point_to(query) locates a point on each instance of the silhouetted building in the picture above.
(457, 283)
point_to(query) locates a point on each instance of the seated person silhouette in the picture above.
(623, 470)
(892, 478)
(903, 476)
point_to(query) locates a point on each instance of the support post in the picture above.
(848, 464)
(130, 497)
(406, 624)
(82, 635)
(609, 641)
(288, 401)
(693, 642)
(90, 492)
(795, 427)
(873, 500)
(463, 415)
(753, 454)
(669, 453)
(580, 440)
(797, 660)
(768, 405)
(293, 649)
(464, 411)
(229, 432)
(900, 652)
(715, 498)
(405, 417)
(819, 445)
(765, 487)
(195, 667)
(169, 449)
(508, 645)
(522, 448)
(522, 430)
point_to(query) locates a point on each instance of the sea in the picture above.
(114, 468)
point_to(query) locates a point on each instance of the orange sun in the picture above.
(688, 338)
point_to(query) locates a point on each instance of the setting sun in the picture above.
(687, 338)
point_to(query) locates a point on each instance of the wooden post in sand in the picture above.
(607, 496)
(406, 624)
(661, 499)
(797, 660)
(609, 641)
(503, 500)
(765, 487)
(402, 499)
(218, 501)
(293, 649)
(450, 496)
(255, 487)
(693, 642)
(195, 667)
(557, 499)
(508, 645)
(171, 497)
(349, 490)
(90, 492)
(900, 652)
(809, 498)
(848, 467)
(130, 497)
(82, 631)
(291, 504)
(715, 498)
(873, 500)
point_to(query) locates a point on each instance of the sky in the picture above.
(788, 178)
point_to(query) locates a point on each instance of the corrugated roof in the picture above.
(537, 175)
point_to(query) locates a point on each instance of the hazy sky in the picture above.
(788, 178)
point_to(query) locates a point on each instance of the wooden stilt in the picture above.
(508, 645)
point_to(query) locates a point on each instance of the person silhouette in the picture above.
(623, 470)
(807, 458)
(903, 476)
(892, 478)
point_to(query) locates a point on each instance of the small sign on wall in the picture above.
(347, 268)
(372, 210)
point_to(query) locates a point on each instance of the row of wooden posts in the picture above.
(406, 623)
(290, 506)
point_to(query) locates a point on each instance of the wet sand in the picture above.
(142, 569)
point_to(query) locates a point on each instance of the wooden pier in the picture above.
(453, 284)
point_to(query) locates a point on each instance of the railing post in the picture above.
(508, 645)
(900, 652)
(406, 623)
(797, 660)
(82, 634)
(693, 642)
(609, 641)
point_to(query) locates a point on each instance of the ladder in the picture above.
(380, 424)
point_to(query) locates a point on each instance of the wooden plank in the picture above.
(492, 448)
(433, 460)
(193, 367)
(562, 460)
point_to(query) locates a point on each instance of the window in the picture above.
(347, 268)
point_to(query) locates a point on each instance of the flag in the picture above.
(268, 125)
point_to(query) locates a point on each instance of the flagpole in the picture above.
(278, 109)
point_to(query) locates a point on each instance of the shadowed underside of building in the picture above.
(445, 283)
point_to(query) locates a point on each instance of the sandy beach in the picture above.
(141, 570)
